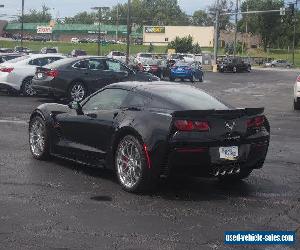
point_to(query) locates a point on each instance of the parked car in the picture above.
(16, 74)
(78, 52)
(189, 58)
(183, 70)
(74, 40)
(46, 50)
(140, 57)
(233, 64)
(297, 94)
(20, 49)
(117, 55)
(6, 50)
(76, 78)
(40, 38)
(279, 63)
(143, 131)
(8, 56)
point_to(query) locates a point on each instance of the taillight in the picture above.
(256, 122)
(6, 70)
(187, 125)
(52, 73)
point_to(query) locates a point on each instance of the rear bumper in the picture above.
(9, 86)
(205, 161)
(45, 88)
(181, 75)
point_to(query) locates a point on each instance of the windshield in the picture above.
(188, 98)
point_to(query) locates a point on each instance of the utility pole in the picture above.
(117, 23)
(235, 30)
(216, 36)
(295, 24)
(128, 30)
(22, 23)
(247, 17)
(99, 9)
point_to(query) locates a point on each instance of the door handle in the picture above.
(92, 115)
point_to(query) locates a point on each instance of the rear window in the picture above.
(188, 98)
(18, 59)
(58, 63)
(146, 55)
(118, 53)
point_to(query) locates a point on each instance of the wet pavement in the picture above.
(61, 205)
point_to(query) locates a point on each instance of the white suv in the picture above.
(16, 74)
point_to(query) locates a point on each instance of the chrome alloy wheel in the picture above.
(128, 163)
(37, 137)
(28, 90)
(77, 92)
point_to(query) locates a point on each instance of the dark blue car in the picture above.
(183, 70)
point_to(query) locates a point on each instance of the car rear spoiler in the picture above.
(230, 114)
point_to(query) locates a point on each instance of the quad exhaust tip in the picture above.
(231, 171)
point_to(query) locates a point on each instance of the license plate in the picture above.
(229, 153)
(40, 75)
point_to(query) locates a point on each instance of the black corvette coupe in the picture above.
(144, 131)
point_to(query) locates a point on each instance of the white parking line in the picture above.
(14, 121)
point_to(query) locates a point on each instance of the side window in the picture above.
(115, 66)
(136, 100)
(107, 99)
(96, 64)
(81, 65)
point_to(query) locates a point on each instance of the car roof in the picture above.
(143, 86)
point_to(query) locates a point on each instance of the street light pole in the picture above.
(294, 34)
(22, 24)
(128, 30)
(216, 36)
(99, 9)
(235, 31)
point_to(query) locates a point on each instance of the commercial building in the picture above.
(162, 35)
(64, 32)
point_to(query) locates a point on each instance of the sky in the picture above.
(62, 8)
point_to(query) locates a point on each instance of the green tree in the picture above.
(184, 45)
(201, 18)
(36, 16)
(151, 12)
(224, 20)
(82, 17)
(267, 25)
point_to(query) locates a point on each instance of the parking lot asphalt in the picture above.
(60, 205)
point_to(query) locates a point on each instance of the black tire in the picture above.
(146, 180)
(201, 78)
(296, 105)
(249, 68)
(244, 173)
(194, 79)
(234, 69)
(26, 88)
(80, 96)
(172, 79)
(44, 152)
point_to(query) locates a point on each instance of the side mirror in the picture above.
(76, 106)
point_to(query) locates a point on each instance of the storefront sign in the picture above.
(155, 29)
(44, 29)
